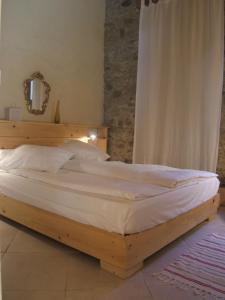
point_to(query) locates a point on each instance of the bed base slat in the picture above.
(120, 255)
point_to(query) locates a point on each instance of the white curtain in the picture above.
(179, 86)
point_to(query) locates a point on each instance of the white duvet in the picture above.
(152, 174)
(117, 179)
(94, 185)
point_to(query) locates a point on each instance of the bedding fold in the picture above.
(151, 174)
(95, 185)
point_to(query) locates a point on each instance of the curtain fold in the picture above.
(179, 85)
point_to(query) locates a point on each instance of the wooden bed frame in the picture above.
(122, 255)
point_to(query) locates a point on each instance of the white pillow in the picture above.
(41, 158)
(4, 153)
(84, 151)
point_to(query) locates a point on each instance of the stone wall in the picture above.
(121, 53)
(221, 158)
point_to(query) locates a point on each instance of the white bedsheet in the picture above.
(110, 213)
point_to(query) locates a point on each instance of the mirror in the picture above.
(36, 91)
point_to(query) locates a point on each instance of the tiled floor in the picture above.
(37, 268)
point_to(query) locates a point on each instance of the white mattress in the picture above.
(115, 215)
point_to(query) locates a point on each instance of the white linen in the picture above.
(98, 185)
(139, 173)
(4, 153)
(179, 83)
(43, 158)
(82, 150)
(114, 215)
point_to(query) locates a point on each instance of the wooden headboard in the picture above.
(13, 134)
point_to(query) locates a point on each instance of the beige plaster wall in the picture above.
(64, 39)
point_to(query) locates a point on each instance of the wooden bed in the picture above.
(122, 255)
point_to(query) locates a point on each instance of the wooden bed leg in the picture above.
(120, 271)
(211, 218)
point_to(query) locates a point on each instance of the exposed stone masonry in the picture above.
(121, 54)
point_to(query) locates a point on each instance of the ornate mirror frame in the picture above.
(36, 75)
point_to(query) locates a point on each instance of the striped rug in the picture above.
(201, 268)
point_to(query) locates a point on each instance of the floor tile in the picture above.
(79, 295)
(33, 295)
(90, 294)
(132, 289)
(28, 241)
(7, 234)
(85, 273)
(34, 272)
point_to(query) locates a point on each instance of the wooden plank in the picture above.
(23, 129)
(142, 245)
(100, 143)
(103, 132)
(13, 142)
(35, 130)
(13, 134)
